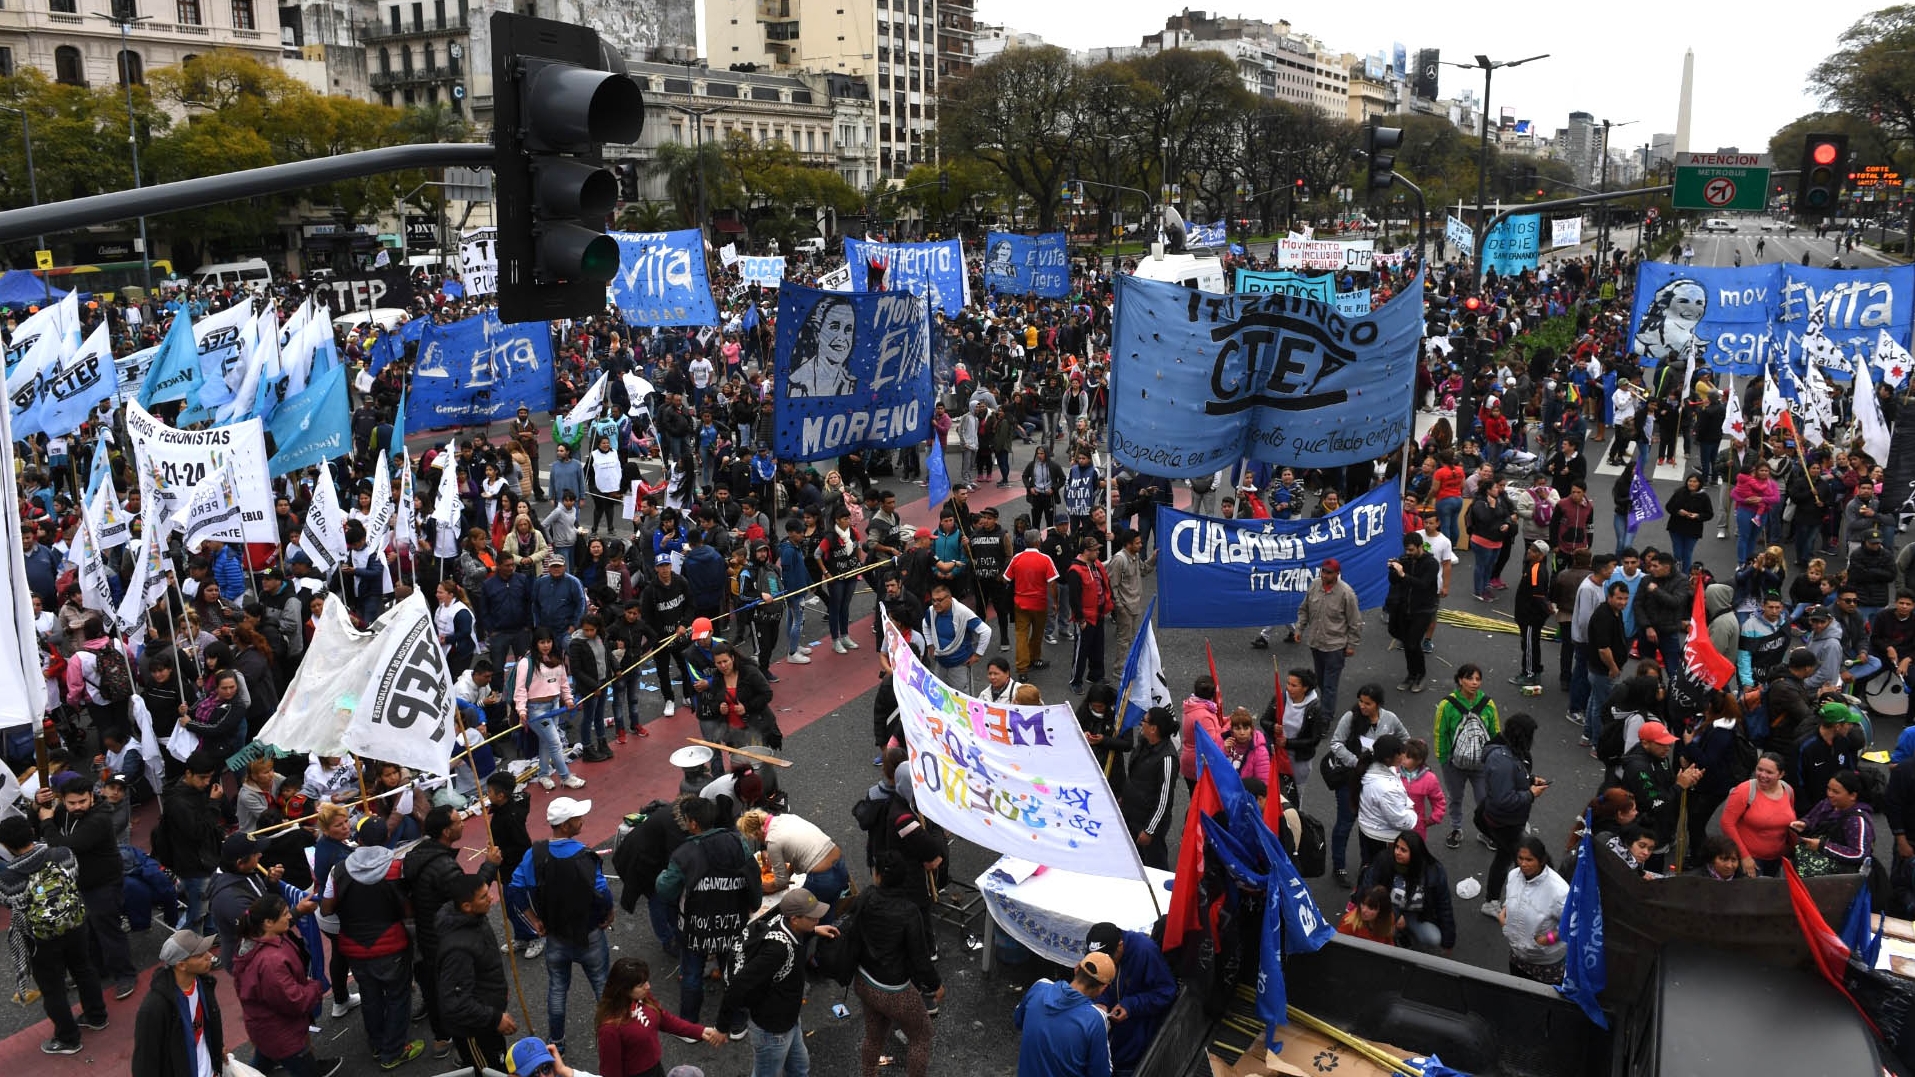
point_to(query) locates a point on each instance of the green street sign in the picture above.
(1721, 182)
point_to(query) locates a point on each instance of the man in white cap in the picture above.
(177, 1031)
(768, 983)
(561, 891)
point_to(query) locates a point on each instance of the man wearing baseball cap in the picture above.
(1065, 1034)
(1330, 623)
(768, 985)
(561, 890)
(177, 1032)
(1138, 998)
(1648, 771)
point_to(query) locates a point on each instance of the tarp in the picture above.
(19, 288)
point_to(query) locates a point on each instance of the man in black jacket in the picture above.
(1663, 605)
(891, 822)
(79, 823)
(641, 856)
(666, 608)
(714, 885)
(1411, 607)
(767, 982)
(31, 881)
(187, 837)
(177, 1032)
(891, 953)
(470, 978)
(431, 876)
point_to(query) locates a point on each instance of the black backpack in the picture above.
(838, 957)
(1312, 858)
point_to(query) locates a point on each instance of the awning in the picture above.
(729, 227)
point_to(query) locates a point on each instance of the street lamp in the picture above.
(33, 183)
(697, 115)
(126, 23)
(1487, 67)
(1602, 242)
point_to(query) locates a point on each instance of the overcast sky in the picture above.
(1620, 60)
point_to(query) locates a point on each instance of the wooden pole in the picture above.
(505, 915)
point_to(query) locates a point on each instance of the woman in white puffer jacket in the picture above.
(1383, 808)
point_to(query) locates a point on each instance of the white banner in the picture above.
(112, 525)
(1020, 780)
(324, 537)
(405, 713)
(96, 593)
(325, 689)
(172, 462)
(148, 584)
(479, 261)
(133, 370)
(209, 512)
(379, 520)
(1335, 255)
(1566, 232)
(766, 272)
(1459, 235)
(405, 531)
(838, 280)
(728, 254)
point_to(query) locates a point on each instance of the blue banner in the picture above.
(479, 371)
(1586, 969)
(661, 279)
(1027, 265)
(854, 372)
(313, 426)
(1200, 381)
(1353, 304)
(1241, 573)
(1514, 245)
(1321, 287)
(1733, 313)
(932, 271)
(1205, 235)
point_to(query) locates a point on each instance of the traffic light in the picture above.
(1823, 159)
(558, 97)
(944, 182)
(1379, 146)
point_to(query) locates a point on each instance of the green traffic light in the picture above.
(599, 261)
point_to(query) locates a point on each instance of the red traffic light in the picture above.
(1299, 181)
(1824, 153)
(1472, 304)
(1539, 192)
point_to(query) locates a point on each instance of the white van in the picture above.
(1190, 270)
(252, 271)
(1718, 224)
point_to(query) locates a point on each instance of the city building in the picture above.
(989, 41)
(1373, 90)
(1580, 144)
(1271, 59)
(79, 43)
(957, 42)
(419, 52)
(323, 44)
(897, 46)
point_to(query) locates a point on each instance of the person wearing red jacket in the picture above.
(1496, 431)
(629, 1021)
(277, 997)
(1090, 605)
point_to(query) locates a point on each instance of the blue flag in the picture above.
(1243, 865)
(479, 371)
(936, 477)
(388, 349)
(661, 279)
(1143, 680)
(751, 319)
(932, 271)
(99, 471)
(174, 374)
(313, 426)
(1238, 805)
(1864, 939)
(1292, 925)
(452, 289)
(1027, 265)
(1586, 970)
(853, 372)
(1643, 505)
(399, 427)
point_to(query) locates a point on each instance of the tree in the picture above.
(1183, 97)
(681, 165)
(1870, 76)
(648, 216)
(1018, 111)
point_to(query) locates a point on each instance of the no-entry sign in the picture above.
(1720, 182)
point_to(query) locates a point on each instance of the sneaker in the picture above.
(341, 1009)
(1429, 646)
(124, 989)
(639, 731)
(1721, 534)
(326, 1067)
(93, 1024)
(535, 947)
(805, 651)
(1498, 585)
(621, 737)
(57, 1046)
(1491, 909)
(1519, 679)
(1261, 643)
(441, 1048)
(573, 782)
(1487, 844)
(671, 707)
(1485, 597)
(1040, 663)
(851, 643)
(737, 1033)
(1077, 687)
(771, 677)
(548, 784)
(1001, 648)
(412, 1051)
(1419, 685)
(1454, 841)
(1405, 685)
(686, 1039)
(798, 659)
(878, 760)
(1050, 638)
(1342, 877)
(1583, 741)
(838, 645)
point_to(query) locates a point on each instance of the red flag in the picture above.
(1184, 915)
(1282, 764)
(1212, 659)
(1826, 948)
(1699, 655)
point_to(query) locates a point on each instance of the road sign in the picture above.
(43, 259)
(1720, 182)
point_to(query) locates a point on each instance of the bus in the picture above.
(104, 279)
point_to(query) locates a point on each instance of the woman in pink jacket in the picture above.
(1755, 496)
(1246, 748)
(276, 996)
(1200, 712)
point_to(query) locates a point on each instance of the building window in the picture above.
(385, 62)
(189, 12)
(68, 68)
(392, 16)
(6, 62)
(243, 15)
(439, 13)
(428, 56)
(131, 70)
(64, 7)
(418, 15)
(405, 63)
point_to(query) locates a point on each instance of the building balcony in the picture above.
(374, 31)
(415, 77)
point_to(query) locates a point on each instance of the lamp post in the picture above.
(1488, 67)
(126, 23)
(698, 136)
(1602, 242)
(33, 183)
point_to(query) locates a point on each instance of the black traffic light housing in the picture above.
(1824, 162)
(627, 170)
(944, 182)
(558, 97)
(1379, 148)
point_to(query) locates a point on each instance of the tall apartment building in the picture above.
(895, 45)
(77, 42)
(1271, 59)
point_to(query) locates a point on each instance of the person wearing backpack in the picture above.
(99, 675)
(1757, 815)
(714, 884)
(82, 824)
(893, 973)
(1502, 809)
(561, 891)
(1721, 747)
(1466, 722)
(40, 884)
(364, 893)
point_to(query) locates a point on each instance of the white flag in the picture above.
(151, 574)
(209, 511)
(1732, 421)
(590, 405)
(446, 508)
(1819, 416)
(383, 258)
(260, 348)
(23, 693)
(404, 713)
(96, 589)
(57, 323)
(148, 744)
(1868, 415)
(1774, 404)
(405, 529)
(112, 524)
(379, 520)
(319, 700)
(324, 537)
(1892, 361)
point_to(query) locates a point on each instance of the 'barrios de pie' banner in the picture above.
(1200, 380)
(1241, 573)
(1017, 780)
(853, 372)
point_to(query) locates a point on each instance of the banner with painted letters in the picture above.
(1205, 235)
(766, 272)
(479, 261)
(932, 271)
(1335, 255)
(1217, 573)
(1017, 780)
(1027, 265)
(1459, 235)
(1737, 315)
(853, 372)
(838, 280)
(1565, 231)
(404, 712)
(1200, 381)
(172, 461)
(1321, 287)
(479, 370)
(1514, 244)
(210, 511)
(662, 280)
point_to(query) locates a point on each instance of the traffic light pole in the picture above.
(234, 186)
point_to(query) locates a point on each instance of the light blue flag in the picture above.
(99, 471)
(1586, 971)
(316, 425)
(386, 350)
(71, 390)
(937, 479)
(399, 428)
(1292, 925)
(174, 374)
(1143, 680)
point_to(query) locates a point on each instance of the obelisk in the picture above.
(1682, 109)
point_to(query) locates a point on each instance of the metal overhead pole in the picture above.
(1488, 67)
(126, 22)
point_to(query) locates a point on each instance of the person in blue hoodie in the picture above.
(1065, 1034)
(1138, 998)
(705, 573)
